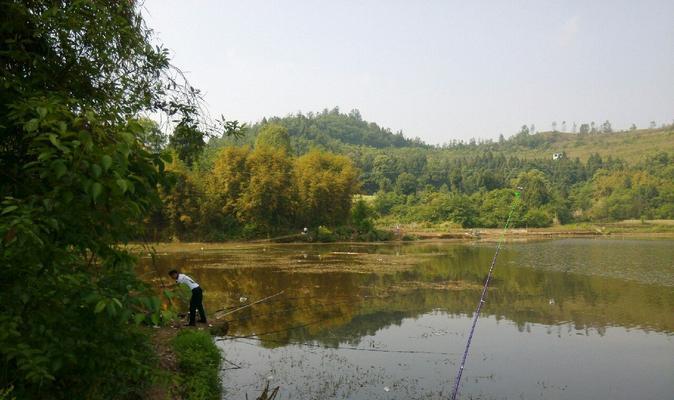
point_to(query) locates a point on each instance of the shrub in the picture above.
(537, 218)
(324, 235)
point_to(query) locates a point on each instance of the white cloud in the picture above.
(568, 31)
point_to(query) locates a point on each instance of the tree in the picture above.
(633, 127)
(462, 210)
(406, 183)
(181, 206)
(554, 126)
(274, 136)
(495, 208)
(325, 186)
(362, 216)
(187, 141)
(584, 129)
(384, 169)
(229, 177)
(78, 177)
(152, 137)
(535, 188)
(268, 203)
(606, 127)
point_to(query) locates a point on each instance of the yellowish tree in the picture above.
(325, 185)
(229, 178)
(269, 199)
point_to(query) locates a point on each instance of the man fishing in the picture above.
(196, 301)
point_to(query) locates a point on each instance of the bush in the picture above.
(324, 235)
(199, 364)
(361, 214)
(537, 218)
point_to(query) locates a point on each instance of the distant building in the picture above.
(558, 156)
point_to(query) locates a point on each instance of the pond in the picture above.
(564, 319)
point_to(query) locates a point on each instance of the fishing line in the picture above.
(307, 344)
(294, 308)
(276, 331)
(455, 390)
(249, 305)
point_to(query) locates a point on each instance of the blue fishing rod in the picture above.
(455, 391)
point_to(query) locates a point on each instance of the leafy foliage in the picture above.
(274, 136)
(325, 185)
(80, 170)
(256, 192)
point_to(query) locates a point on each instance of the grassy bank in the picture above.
(190, 365)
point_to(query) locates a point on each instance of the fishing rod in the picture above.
(455, 390)
(293, 308)
(248, 305)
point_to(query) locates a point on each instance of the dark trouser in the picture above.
(196, 303)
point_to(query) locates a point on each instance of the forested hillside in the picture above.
(594, 175)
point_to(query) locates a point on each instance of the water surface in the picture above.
(565, 319)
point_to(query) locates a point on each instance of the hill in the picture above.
(631, 146)
(343, 133)
(330, 130)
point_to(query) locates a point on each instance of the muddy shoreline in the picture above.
(419, 236)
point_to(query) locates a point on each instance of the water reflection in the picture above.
(323, 291)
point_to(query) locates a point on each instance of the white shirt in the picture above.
(182, 278)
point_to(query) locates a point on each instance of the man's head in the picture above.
(173, 274)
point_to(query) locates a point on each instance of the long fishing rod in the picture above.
(455, 390)
(293, 308)
(248, 305)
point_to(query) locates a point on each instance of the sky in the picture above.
(438, 70)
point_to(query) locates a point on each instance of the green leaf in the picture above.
(55, 141)
(31, 126)
(100, 306)
(9, 209)
(96, 190)
(122, 184)
(62, 127)
(138, 318)
(59, 168)
(96, 170)
(106, 162)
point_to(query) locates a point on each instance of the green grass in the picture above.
(198, 365)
